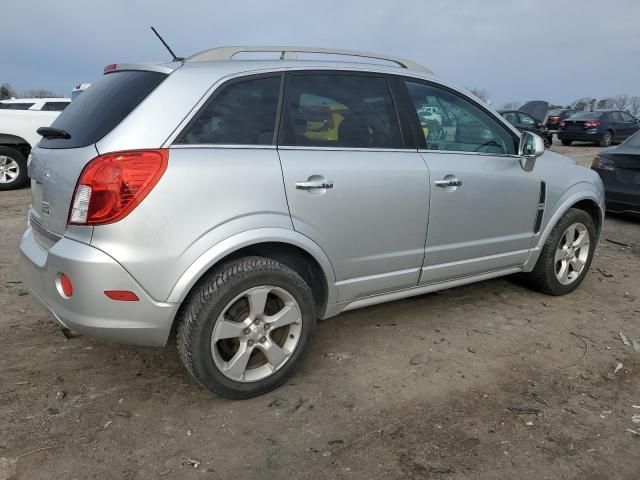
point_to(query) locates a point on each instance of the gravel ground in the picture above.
(419, 388)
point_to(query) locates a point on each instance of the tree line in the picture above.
(7, 91)
(624, 102)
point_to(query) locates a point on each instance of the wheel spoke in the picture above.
(561, 253)
(563, 274)
(236, 367)
(227, 329)
(582, 240)
(288, 315)
(257, 300)
(570, 235)
(577, 264)
(276, 356)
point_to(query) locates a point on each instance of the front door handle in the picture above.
(314, 185)
(448, 182)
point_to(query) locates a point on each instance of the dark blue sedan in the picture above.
(603, 127)
(619, 168)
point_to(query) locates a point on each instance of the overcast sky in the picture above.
(517, 50)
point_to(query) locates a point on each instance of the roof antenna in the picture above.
(175, 59)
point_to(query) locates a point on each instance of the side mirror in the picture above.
(531, 147)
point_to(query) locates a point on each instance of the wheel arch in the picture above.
(590, 200)
(14, 141)
(287, 246)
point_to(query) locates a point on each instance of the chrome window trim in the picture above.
(462, 152)
(345, 149)
(221, 146)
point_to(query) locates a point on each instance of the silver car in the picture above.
(230, 204)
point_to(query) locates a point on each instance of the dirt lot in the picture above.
(419, 388)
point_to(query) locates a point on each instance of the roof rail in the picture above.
(289, 53)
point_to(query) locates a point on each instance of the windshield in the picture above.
(102, 107)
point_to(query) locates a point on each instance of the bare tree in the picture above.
(480, 93)
(511, 106)
(621, 102)
(39, 93)
(634, 106)
(604, 103)
(6, 91)
(581, 104)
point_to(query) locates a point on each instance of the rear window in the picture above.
(586, 116)
(102, 107)
(556, 112)
(16, 106)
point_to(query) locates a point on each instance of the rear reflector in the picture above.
(66, 286)
(112, 185)
(121, 295)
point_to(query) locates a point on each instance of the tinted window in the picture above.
(526, 119)
(626, 117)
(460, 124)
(335, 110)
(615, 117)
(55, 106)
(242, 113)
(16, 106)
(586, 116)
(102, 107)
(511, 117)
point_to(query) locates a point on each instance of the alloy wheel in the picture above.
(9, 169)
(256, 333)
(572, 253)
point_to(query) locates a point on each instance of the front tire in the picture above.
(566, 256)
(566, 143)
(13, 169)
(243, 330)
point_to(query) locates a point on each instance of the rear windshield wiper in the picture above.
(49, 132)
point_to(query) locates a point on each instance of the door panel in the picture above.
(371, 223)
(484, 224)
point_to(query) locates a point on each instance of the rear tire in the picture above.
(13, 169)
(548, 141)
(607, 139)
(561, 252)
(227, 336)
(566, 143)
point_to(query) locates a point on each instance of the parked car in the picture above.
(619, 168)
(555, 116)
(45, 104)
(603, 127)
(203, 198)
(526, 123)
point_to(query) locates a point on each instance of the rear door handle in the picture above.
(448, 182)
(314, 185)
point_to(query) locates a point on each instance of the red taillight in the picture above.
(112, 185)
(591, 124)
(65, 285)
(554, 118)
(121, 295)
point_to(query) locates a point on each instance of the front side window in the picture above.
(243, 113)
(526, 119)
(626, 117)
(339, 110)
(615, 117)
(459, 125)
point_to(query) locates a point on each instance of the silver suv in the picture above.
(229, 204)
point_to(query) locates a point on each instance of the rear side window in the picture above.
(586, 116)
(102, 107)
(55, 106)
(339, 110)
(16, 106)
(243, 113)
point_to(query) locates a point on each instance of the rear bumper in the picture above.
(89, 311)
(584, 136)
(619, 196)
